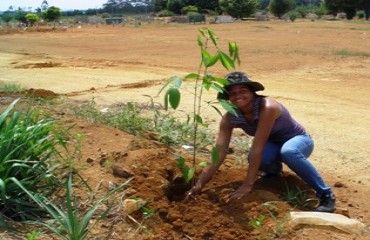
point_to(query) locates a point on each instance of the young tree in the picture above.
(280, 7)
(52, 14)
(239, 8)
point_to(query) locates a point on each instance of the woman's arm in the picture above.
(269, 112)
(222, 145)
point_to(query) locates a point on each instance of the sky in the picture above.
(62, 4)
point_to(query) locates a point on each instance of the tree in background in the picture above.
(175, 6)
(207, 5)
(346, 6)
(6, 17)
(20, 15)
(44, 5)
(159, 5)
(239, 8)
(364, 5)
(281, 7)
(52, 14)
(263, 4)
(32, 18)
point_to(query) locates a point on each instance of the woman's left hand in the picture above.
(239, 193)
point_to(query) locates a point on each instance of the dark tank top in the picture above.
(285, 127)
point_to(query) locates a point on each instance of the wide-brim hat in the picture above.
(239, 78)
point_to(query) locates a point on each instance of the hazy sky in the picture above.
(62, 4)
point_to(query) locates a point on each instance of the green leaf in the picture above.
(215, 155)
(172, 96)
(228, 107)
(234, 51)
(221, 81)
(209, 60)
(204, 164)
(200, 41)
(217, 110)
(207, 82)
(180, 162)
(189, 174)
(177, 82)
(213, 36)
(203, 31)
(165, 85)
(192, 76)
(199, 120)
(217, 88)
(226, 61)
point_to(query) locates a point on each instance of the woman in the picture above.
(278, 139)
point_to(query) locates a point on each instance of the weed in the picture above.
(299, 198)
(148, 213)
(33, 235)
(257, 223)
(107, 164)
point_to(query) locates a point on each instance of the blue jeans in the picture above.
(294, 154)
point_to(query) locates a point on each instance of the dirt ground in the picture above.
(299, 66)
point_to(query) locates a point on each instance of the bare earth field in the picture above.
(297, 62)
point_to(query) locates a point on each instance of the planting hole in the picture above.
(177, 189)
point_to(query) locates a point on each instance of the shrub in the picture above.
(188, 9)
(166, 13)
(196, 17)
(361, 14)
(239, 8)
(303, 10)
(293, 15)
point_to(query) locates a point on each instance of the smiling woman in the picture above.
(278, 139)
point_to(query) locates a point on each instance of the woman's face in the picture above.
(240, 96)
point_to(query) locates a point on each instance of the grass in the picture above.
(299, 198)
(345, 52)
(10, 88)
(141, 120)
(30, 153)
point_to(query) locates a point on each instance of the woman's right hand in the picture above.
(193, 192)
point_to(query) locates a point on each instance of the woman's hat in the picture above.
(236, 78)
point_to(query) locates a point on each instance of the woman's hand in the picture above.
(191, 194)
(239, 193)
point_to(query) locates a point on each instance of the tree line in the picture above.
(234, 8)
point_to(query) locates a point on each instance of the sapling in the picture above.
(203, 81)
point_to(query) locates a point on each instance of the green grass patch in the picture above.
(345, 52)
(139, 120)
(31, 146)
(11, 88)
